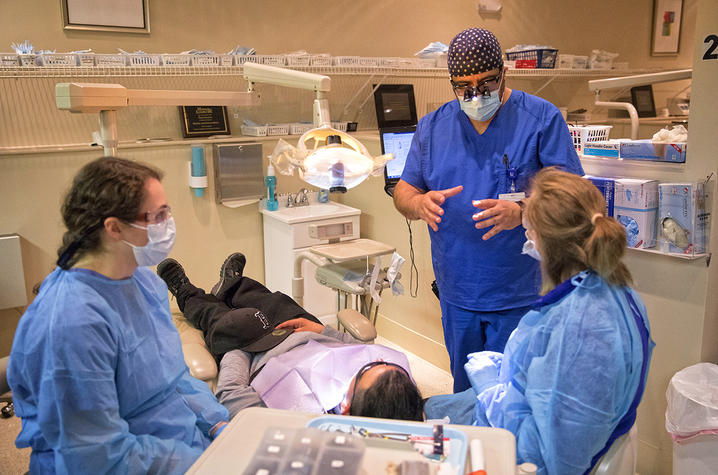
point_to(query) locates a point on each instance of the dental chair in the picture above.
(200, 361)
(202, 364)
(621, 457)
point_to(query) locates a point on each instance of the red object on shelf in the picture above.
(526, 64)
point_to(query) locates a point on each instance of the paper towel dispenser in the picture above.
(12, 277)
(238, 173)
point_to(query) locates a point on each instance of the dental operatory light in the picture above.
(337, 164)
(630, 81)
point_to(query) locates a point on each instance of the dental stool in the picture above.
(621, 457)
(196, 355)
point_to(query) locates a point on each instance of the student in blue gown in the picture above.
(96, 368)
(469, 165)
(573, 372)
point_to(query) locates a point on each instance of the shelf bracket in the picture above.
(548, 81)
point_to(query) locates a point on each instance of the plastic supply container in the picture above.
(143, 60)
(255, 131)
(176, 59)
(57, 60)
(278, 129)
(565, 61)
(322, 60)
(533, 58)
(298, 128)
(580, 62)
(8, 59)
(298, 60)
(692, 419)
(582, 134)
(344, 61)
(110, 60)
(85, 60)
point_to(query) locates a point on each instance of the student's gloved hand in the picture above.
(302, 325)
(483, 368)
(501, 214)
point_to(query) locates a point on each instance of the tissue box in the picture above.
(636, 208)
(606, 148)
(658, 151)
(607, 188)
(683, 218)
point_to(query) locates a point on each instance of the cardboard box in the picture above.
(604, 148)
(683, 220)
(607, 188)
(636, 208)
(657, 151)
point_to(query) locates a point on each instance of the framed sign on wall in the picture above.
(667, 16)
(127, 16)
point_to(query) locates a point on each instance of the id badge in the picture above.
(512, 196)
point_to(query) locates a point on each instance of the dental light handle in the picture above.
(198, 171)
(478, 466)
(108, 132)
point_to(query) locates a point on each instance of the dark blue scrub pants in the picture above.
(469, 331)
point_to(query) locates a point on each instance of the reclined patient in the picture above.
(272, 353)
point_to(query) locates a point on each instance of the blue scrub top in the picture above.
(99, 380)
(447, 151)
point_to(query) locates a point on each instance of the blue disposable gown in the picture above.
(569, 373)
(99, 380)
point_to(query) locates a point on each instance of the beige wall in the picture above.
(675, 291)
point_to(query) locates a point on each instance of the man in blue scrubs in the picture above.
(469, 164)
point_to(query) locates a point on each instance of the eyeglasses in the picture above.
(466, 91)
(159, 216)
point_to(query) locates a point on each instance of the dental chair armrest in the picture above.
(200, 361)
(357, 325)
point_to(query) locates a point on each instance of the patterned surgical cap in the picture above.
(474, 51)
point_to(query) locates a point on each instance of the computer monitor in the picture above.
(396, 140)
(395, 105)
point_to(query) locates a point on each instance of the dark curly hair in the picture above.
(105, 187)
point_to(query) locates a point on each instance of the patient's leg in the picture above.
(203, 310)
(277, 306)
(233, 390)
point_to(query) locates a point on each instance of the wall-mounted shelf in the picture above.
(685, 257)
(106, 71)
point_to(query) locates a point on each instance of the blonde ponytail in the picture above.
(567, 213)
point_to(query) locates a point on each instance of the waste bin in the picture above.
(692, 419)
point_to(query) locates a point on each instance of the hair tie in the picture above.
(594, 217)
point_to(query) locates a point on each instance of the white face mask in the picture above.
(161, 239)
(530, 248)
(482, 108)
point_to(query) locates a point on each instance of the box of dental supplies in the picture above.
(683, 219)
(603, 148)
(607, 188)
(657, 151)
(636, 208)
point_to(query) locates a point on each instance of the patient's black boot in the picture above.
(177, 281)
(229, 274)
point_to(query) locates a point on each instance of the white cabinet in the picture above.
(287, 233)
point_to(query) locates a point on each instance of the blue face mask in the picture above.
(530, 248)
(482, 108)
(161, 238)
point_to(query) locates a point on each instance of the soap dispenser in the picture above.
(271, 182)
